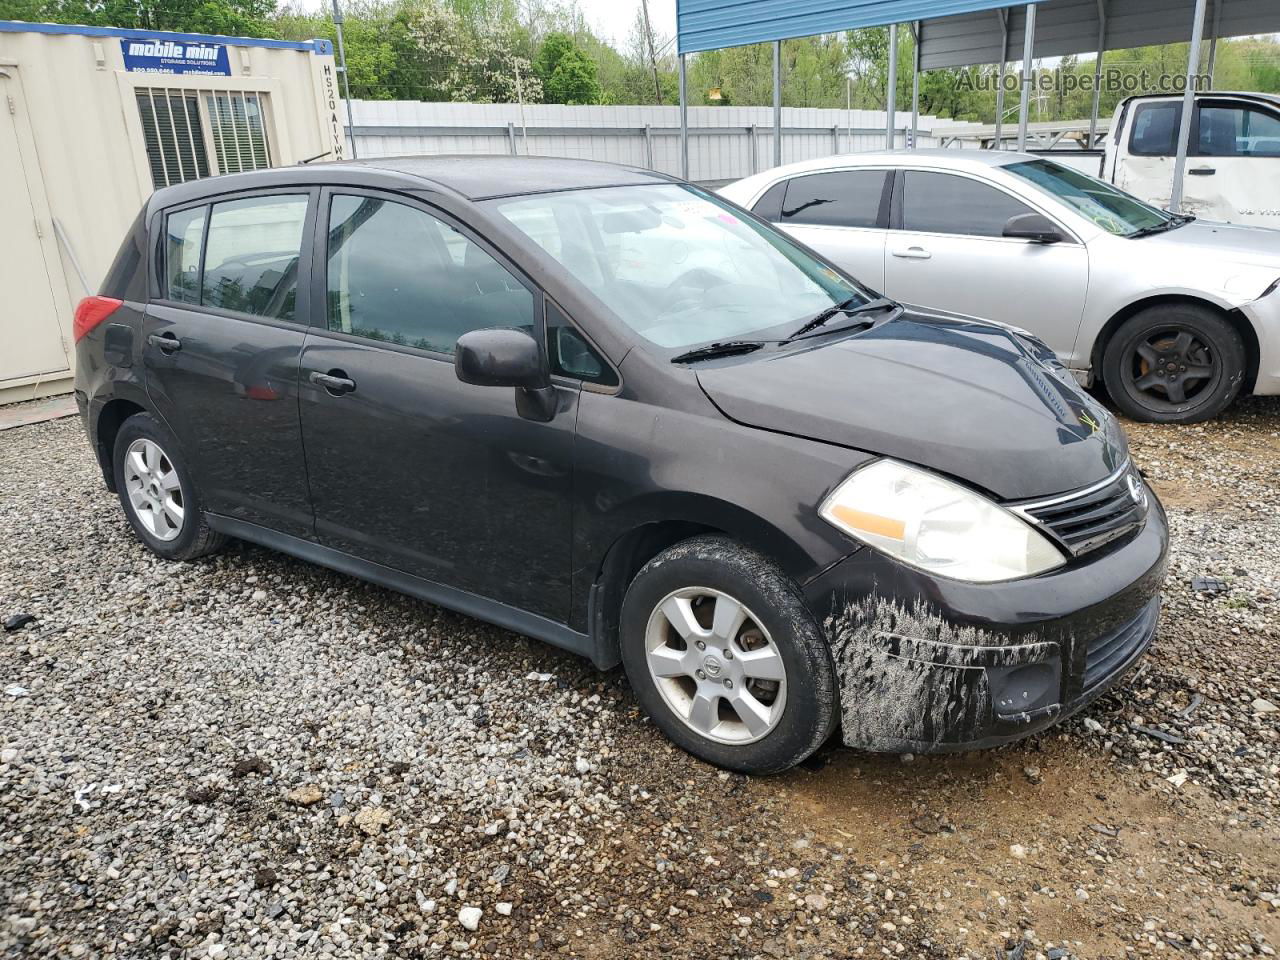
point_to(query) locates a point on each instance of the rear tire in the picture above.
(726, 658)
(1174, 363)
(158, 493)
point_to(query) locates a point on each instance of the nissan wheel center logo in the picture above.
(145, 55)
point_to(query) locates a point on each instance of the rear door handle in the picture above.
(335, 381)
(913, 253)
(167, 342)
(1202, 171)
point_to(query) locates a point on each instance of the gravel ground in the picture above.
(250, 756)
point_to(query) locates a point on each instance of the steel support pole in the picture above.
(1097, 74)
(915, 84)
(1188, 103)
(684, 121)
(777, 103)
(891, 91)
(1028, 53)
(346, 80)
(1213, 38)
(1004, 59)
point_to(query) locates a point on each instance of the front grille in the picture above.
(1085, 520)
(1111, 651)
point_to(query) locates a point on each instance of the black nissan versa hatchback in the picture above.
(603, 407)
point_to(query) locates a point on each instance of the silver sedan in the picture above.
(1176, 316)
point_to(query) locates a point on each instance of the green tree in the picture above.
(573, 80)
(252, 18)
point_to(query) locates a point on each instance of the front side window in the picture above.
(252, 254)
(1155, 129)
(1238, 132)
(184, 234)
(845, 198)
(1113, 210)
(571, 355)
(678, 265)
(399, 275)
(943, 203)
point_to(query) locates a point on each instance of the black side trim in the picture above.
(482, 608)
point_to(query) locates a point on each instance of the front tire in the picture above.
(1174, 363)
(726, 658)
(158, 492)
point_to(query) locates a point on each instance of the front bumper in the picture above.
(1264, 316)
(927, 664)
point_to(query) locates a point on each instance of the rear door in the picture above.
(842, 214)
(221, 349)
(409, 467)
(946, 252)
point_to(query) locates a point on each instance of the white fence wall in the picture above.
(722, 143)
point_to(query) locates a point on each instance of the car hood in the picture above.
(967, 398)
(1237, 243)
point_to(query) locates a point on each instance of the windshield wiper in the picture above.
(726, 348)
(1175, 221)
(871, 306)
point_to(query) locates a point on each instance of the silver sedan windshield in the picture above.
(1113, 210)
(677, 265)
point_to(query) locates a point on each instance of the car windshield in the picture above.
(678, 265)
(1113, 210)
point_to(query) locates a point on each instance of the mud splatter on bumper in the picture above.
(927, 665)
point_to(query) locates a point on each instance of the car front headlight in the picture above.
(936, 525)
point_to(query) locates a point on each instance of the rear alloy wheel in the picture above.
(1180, 363)
(725, 656)
(158, 493)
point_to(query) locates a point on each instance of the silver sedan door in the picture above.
(947, 253)
(842, 214)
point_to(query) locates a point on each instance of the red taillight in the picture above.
(91, 312)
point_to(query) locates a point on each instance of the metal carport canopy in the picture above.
(1074, 26)
(712, 24)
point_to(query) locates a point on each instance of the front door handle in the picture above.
(1202, 171)
(913, 253)
(336, 382)
(167, 342)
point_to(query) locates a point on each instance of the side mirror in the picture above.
(507, 358)
(1033, 227)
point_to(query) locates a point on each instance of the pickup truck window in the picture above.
(1238, 132)
(1155, 129)
(1113, 210)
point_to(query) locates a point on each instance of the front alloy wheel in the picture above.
(725, 656)
(715, 666)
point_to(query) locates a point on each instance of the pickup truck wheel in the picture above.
(1177, 363)
(726, 658)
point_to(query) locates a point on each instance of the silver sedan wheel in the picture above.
(715, 666)
(154, 489)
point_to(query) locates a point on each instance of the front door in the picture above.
(409, 467)
(221, 352)
(947, 253)
(1233, 172)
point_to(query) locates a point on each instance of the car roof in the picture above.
(940, 157)
(473, 177)
(1250, 95)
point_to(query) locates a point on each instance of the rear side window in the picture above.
(942, 203)
(251, 256)
(184, 236)
(847, 198)
(1155, 129)
(397, 274)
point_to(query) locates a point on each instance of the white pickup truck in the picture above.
(1233, 160)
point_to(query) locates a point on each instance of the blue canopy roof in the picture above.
(712, 24)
